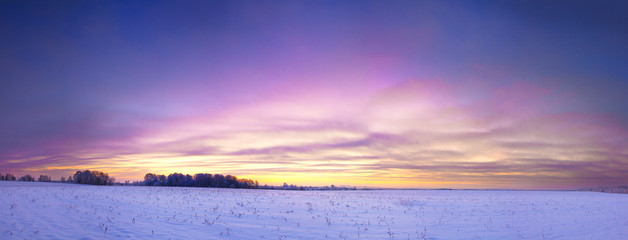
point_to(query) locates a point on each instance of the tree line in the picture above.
(172, 180)
(81, 177)
(25, 178)
(93, 178)
(617, 189)
(198, 180)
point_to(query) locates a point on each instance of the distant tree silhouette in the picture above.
(62, 179)
(43, 178)
(202, 180)
(154, 180)
(9, 177)
(175, 179)
(93, 178)
(198, 180)
(150, 179)
(27, 178)
(188, 181)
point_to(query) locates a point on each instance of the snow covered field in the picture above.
(67, 211)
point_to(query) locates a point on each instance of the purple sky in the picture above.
(462, 94)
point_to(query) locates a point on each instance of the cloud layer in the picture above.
(416, 133)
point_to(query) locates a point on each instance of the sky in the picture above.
(395, 94)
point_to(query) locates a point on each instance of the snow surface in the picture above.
(68, 211)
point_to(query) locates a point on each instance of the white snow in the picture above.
(31, 210)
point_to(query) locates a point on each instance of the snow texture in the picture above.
(32, 210)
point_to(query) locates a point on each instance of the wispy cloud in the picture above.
(419, 131)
